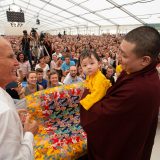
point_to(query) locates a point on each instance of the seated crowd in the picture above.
(105, 105)
(56, 61)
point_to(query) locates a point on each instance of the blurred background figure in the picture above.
(25, 42)
(110, 74)
(24, 65)
(80, 73)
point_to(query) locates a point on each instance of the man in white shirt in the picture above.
(72, 76)
(16, 142)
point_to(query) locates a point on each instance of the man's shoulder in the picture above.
(67, 78)
(63, 64)
(79, 79)
(5, 99)
(44, 81)
(72, 63)
(37, 66)
(3, 106)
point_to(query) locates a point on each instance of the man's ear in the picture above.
(146, 60)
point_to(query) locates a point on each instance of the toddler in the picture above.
(95, 81)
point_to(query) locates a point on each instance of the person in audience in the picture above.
(48, 73)
(66, 65)
(123, 124)
(58, 68)
(53, 80)
(73, 57)
(16, 142)
(47, 60)
(80, 73)
(72, 76)
(32, 85)
(64, 53)
(53, 64)
(110, 74)
(112, 59)
(119, 67)
(40, 80)
(47, 46)
(24, 65)
(58, 52)
(14, 89)
(42, 64)
(95, 82)
(25, 42)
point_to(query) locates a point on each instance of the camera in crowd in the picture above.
(42, 36)
(33, 32)
(25, 32)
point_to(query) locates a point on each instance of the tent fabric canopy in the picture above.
(61, 14)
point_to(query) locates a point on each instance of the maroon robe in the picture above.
(123, 124)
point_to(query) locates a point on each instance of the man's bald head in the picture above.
(3, 45)
(73, 71)
(73, 68)
(8, 63)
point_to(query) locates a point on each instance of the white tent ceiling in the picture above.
(61, 14)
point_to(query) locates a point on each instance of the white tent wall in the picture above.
(126, 28)
(14, 30)
(2, 32)
(8, 30)
(81, 16)
(94, 30)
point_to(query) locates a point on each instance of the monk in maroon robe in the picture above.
(123, 124)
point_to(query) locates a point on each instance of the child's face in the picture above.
(39, 76)
(90, 65)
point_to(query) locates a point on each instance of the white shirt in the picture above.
(25, 67)
(45, 69)
(53, 65)
(69, 80)
(13, 144)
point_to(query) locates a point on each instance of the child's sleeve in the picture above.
(98, 92)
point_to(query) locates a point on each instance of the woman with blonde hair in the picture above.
(53, 80)
(32, 85)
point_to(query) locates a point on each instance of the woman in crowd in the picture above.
(53, 80)
(112, 59)
(53, 64)
(58, 67)
(32, 85)
(80, 73)
(24, 65)
(42, 64)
